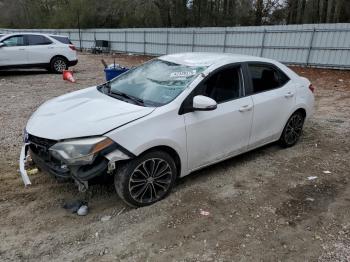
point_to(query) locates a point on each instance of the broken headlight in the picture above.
(80, 151)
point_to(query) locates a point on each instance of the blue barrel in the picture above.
(114, 72)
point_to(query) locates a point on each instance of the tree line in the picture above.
(168, 13)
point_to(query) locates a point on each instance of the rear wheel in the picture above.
(58, 64)
(146, 179)
(293, 129)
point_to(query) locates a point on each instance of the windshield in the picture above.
(155, 83)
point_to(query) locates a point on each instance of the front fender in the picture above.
(160, 128)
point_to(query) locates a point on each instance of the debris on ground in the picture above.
(105, 218)
(83, 210)
(74, 206)
(32, 171)
(204, 213)
(311, 177)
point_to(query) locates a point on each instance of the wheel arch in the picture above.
(172, 152)
(299, 108)
(302, 110)
(61, 56)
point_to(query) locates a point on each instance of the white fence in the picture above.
(320, 45)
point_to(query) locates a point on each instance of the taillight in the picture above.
(312, 88)
(72, 47)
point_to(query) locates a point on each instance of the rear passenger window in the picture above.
(62, 39)
(265, 77)
(38, 40)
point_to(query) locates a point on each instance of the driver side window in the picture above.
(17, 40)
(222, 86)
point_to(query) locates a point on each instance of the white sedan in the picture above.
(166, 118)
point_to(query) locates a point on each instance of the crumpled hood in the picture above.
(82, 113)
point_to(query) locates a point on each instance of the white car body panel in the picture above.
(57, 118)
(199, 138)
(207, 142)
(164, 127)
(271, 112)
(13, 55)
(40, 54)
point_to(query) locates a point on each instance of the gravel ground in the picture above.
(261, 205)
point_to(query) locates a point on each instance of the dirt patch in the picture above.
(261, 205)
(307, 200)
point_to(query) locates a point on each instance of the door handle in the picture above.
(50, 47)
(245, 108)
(21, 49)
(289, 94)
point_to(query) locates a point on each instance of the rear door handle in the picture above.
(50, 47)
(245, 108)
(21, 49)
(289, 94)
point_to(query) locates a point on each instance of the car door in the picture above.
(223, 132)
(273, 96)
(41, 49)
(14, 51)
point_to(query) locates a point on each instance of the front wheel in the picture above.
(292, 130)
(58, 65)
(146, 179)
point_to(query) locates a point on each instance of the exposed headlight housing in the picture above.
(80, 151)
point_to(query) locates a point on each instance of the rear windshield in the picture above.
(62, 39)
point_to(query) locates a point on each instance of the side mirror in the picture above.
(2, 44)
(203, 103)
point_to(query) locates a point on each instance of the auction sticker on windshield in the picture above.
(183, 74)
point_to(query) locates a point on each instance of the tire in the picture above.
(292, 130)
(58, 64)
(137, 185)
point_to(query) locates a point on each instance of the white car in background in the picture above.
(165, 119)
(30, 50)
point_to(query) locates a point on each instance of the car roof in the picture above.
(33, 33)
(208, 59)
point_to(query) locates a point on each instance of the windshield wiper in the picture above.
(105, 88)
(136, 100)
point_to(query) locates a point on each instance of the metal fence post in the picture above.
(225, 36)
(125, 45)
(193, 39)
(310, 46)
(167, 42)
(144, 41)
(80, 43)
(109, 40)
(263, 43)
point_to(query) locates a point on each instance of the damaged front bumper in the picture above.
(22, 161)
(40, 154)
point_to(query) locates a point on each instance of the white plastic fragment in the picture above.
(33, 171)
(105, 218)
(83, 210)
(311, 177)
(204, 213)
(327, 172)
(22, 169)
